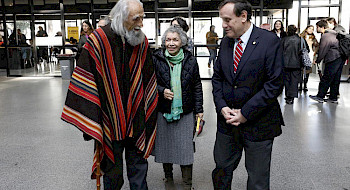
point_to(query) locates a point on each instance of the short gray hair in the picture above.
(119, 14)
(175, 29)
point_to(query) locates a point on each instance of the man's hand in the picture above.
(227, 113)
(237, 119)
(168, 94)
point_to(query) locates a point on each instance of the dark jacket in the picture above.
(21, 39)
(253, 89)
(191, 86)
(82, 41)
(329, 47)
(291, 46)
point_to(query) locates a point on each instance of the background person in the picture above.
(245, 96)
(278, 29)
(21, 38)
(329, 53)
(292, 64)
(86, 30)
(42, 51)
(178, 21)
(181, 97)
(26, 50)
(212, 39)
(103, 103)
(309, 36)
(41, 32)
(332, 24)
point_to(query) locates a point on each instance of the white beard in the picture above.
(134, 38)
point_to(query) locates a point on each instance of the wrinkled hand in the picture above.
(237, 119)
(168, 94)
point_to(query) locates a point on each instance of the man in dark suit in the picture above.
(246, 82)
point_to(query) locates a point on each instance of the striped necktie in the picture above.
(238, 54)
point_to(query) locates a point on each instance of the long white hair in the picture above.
(119, 14)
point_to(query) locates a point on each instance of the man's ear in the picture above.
(244, 16)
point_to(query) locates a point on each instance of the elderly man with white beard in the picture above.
(112, 96)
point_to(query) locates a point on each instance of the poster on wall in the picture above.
(73, 31)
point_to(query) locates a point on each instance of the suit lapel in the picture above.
(229, 57)
(252, 44)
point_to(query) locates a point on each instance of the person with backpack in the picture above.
(331, 56)
(343, 37)
(332, 24)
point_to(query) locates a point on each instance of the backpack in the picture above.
(344, 44)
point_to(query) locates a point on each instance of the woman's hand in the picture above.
(168, 94)
(200, 115)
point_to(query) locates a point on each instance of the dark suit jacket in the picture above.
(253, 89)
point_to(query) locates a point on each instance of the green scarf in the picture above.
(175, 84)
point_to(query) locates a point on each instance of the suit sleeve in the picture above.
(217, 82)
(272, 88)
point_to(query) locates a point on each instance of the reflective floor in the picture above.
(39, 151)
(44, 68)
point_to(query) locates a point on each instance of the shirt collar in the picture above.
(245, 37)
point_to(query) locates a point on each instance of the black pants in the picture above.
(136, 167)
(291, 78)
(42, 53)
(227, 154)
(331, 79)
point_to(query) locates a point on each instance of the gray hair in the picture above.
(119, 14)
(175, 29)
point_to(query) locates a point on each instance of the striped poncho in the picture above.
(112, 94)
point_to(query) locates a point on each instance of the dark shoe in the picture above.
(334, 101)
(305, 89)
(300, 88)
(169, 183)
(187, 176)
(208, 65)
(316, 98)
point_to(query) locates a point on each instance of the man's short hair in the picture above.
(322, 24)
(240, 6)
(332, 20)
(119, 14)
(175, 29)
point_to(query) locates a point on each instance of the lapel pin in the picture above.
(254, 43)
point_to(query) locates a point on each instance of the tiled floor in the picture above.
(39, 151)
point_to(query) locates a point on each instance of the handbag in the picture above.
(304, 54)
